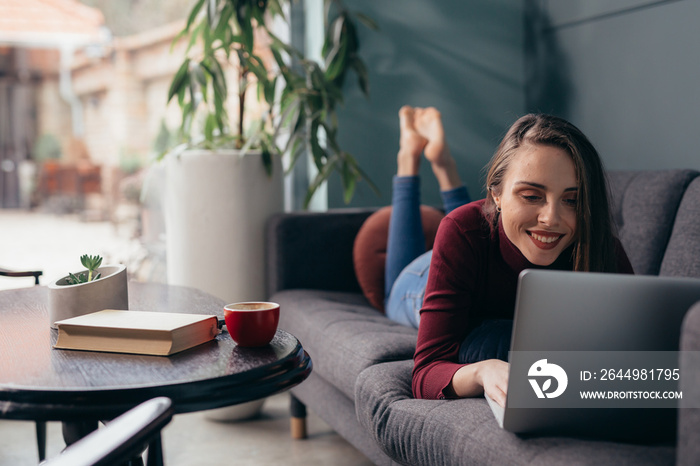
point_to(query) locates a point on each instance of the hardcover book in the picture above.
(137, 332)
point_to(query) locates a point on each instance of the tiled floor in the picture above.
(54, 244)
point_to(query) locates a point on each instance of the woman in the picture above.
(546, 207)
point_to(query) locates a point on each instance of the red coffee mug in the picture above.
(252, 323)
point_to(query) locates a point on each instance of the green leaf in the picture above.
(209, 126)
(193, 14)
(316, 150)
(301, 120)
(220, 111)
(72, 279)
(257, 11)
(218, 80)
(223, 25)
(349, 180)
(363, 176)
(179, 79)
(267, 161)
(275, 8)
(186, 30)
(278, 58)
(187, 110)
(199, 75)
(367, 21)
(270, 91)
(289, 113)
(362, 76)
(247, 31)
(336, 60)
(295, 153)
(279, 44)
(258, 69)
(196, 32)
(193, 94)
(330, 136)
(321, 176)
(206, 33)
(181, 94)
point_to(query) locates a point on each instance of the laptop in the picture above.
(594, 327)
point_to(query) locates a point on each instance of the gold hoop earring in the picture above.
(498, 209)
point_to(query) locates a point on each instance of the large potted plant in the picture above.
(225, 180)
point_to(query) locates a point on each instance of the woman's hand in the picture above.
(490, 376)
(494, 379)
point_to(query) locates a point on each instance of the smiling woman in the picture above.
(546, 207)
(537, 201)
(594, 235)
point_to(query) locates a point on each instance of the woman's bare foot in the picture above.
(411, 144)
(428, 124)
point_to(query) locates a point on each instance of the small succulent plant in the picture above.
(91, 263)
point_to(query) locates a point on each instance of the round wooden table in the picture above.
(38, 382)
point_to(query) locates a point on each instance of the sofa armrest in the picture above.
(313, 250)
(689, 415)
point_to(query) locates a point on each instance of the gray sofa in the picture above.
(361, 383)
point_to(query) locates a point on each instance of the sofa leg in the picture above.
(298, 420)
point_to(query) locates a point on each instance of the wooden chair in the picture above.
(122, 439)
(40, 425)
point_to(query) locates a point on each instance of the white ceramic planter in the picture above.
(216, 207)
(107, 292)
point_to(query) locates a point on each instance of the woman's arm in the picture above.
(451, 288)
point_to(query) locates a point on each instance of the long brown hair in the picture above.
(594, 248)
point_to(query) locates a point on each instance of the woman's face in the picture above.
(537, 198)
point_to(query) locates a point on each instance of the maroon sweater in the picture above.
(473, 276)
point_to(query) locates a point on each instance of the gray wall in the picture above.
(463, 57)
(627, 72)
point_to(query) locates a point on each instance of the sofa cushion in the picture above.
(683, 250)
(644, 209)
(342, 333)
(369, 250)
(465, 431)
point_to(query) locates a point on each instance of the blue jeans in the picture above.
(407, 262)
(406, 298)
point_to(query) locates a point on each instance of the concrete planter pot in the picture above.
(107, 292)
(216, 207)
